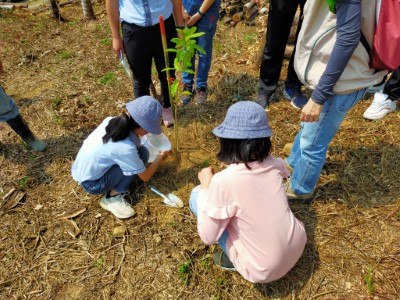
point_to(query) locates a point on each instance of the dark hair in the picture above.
(235, 151)
(119, 128)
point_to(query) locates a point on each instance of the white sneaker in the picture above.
(117, 206)
(380, 107)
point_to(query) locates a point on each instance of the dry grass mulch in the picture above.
(57, 243)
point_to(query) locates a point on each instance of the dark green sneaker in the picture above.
(222, 260)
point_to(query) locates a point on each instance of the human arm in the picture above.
(199, 14)
(113, 20)
(150, 170)
(177, 11)
(209, 229)
(348, 28)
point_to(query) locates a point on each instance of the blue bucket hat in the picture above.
(244, 120)
(146, 111)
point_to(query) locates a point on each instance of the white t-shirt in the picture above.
(94, 158)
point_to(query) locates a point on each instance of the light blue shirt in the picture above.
(144, 13)
(94, 158)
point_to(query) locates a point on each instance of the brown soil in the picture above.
(56, 72)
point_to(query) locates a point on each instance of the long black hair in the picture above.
(119, 128)
(233, 151)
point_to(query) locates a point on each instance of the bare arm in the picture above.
(203, 9)
(177, 11)
(113, 20)
(150, 170)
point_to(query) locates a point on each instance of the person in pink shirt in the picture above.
(244, 207)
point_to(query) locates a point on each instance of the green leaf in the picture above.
(167, 69)
(192, 30)
(176, 40)
(195, 35)
(177, 65)
(189, 71)
(200, 49)
(172, 50)
(174, 87)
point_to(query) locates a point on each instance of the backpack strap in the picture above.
(364, 42)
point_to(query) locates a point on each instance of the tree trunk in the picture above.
(55, 11)
(88, 9)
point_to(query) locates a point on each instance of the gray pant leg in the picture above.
(8, 109)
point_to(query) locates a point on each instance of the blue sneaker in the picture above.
(296, 97)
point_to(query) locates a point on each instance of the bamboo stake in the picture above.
(174, 112)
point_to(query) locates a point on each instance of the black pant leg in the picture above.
(136, 45)
(292, 79)
(280, 19)
(392, 86)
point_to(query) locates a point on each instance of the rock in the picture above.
(119, 231)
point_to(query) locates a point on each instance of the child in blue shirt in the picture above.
(111, 158)
(204, 15)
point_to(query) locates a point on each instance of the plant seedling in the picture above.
(220, 281)
(368, 279)
(23, 181)
(185, 271)
(185, 48)
(56, 103)
(65, 54)
(107, 78)
(99, 262)
(206, 163)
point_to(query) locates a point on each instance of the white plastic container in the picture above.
(155, 144)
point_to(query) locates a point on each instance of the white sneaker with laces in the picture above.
(118, 206)
(380, 107)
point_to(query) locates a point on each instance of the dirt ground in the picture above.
(57, 243)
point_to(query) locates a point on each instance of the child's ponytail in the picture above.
(119, 128)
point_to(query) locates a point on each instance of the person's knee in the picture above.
(193, 200)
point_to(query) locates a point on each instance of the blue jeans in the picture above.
(309, 149)
(8, 109)
(114, 179)
(207, 24)
(193, 207)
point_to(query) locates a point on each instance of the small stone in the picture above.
(119, 231)
(38, 206)
(157, 238)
